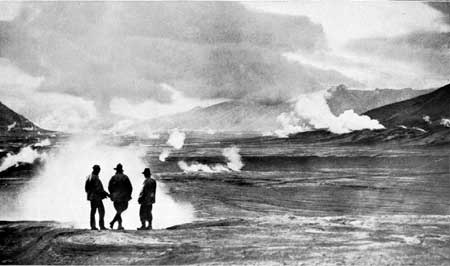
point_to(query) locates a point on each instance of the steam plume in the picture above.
(231, 154)
(58, 191)
(164, 154)
(43, 143)
(176, 139)
(312, 112)
(445, 122)
(25, 155)
(199, 167)
(12, 126)
(234, 158)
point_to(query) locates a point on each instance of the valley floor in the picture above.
(255, 221)
(348, 206)
(275, 240)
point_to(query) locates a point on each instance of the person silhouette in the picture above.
(146, 200)
(120, 190)
(96, 194)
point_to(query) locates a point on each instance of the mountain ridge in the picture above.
(12, 122)
(255, 116)
(428, 110)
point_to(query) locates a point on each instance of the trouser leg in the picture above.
(101, 213)
(116, 207)
(119, 218)
(93, 210)
(120, 207)
(142, 215)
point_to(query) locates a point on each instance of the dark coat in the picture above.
(120, 188)
(94, 188)
(147, 195)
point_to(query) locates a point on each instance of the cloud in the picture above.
(105, 50)
(443, 7)
(375, 52)
(424, 53)
(9, 10)
(108, 60)
(53, 111)
(111, 51)
(343, 21)
(49, 110)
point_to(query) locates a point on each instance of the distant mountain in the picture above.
(254, 116)
(341, 98)
(226, 116)
(425, 111)
(12, 122)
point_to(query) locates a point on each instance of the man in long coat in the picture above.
(120, 190)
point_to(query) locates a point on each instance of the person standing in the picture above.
(96, 194)
(120, 190)
(146, 199)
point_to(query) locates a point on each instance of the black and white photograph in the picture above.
(307, 132)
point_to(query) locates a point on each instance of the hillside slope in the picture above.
(429, 110)
(226, 116)
(341, 98)
(14, 122)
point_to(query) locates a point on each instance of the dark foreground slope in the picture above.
(414, 112)
(324, 241)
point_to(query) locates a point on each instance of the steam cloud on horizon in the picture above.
(67, 65)
(234, 163)
(312, 112)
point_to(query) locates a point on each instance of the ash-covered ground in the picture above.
(290, 203)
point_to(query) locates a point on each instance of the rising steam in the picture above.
(25, 155)
(312, 112)
(12, 126)
(445, 122)
(234, 158)
(234, 163)
(164, 154)
(43, 143)
(58, 191)
(176, 140)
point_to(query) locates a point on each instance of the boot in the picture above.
(142, 226)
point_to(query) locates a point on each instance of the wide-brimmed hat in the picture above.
(146, 171)
(119, 167)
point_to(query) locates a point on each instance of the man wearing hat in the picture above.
(95, 194)
(120, 193)
(146, 199)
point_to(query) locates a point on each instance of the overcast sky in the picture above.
(65, 64)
